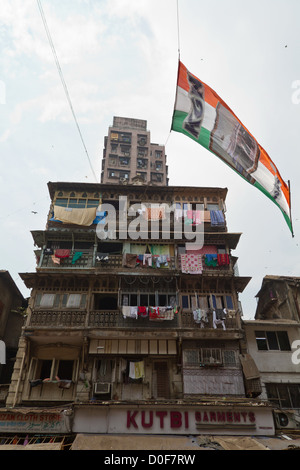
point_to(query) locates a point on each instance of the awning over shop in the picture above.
(43, 446)
(179, 443)
(128, 442)
(240, 443)
(132, 346)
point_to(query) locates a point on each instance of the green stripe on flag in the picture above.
(177, 125)
(266, 193)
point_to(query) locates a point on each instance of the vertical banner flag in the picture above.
(203, 116)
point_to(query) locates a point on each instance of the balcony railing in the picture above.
(102, 261)
(102, 319)
(115, 319)
(188, 321)
(83, 261)
(63, 318)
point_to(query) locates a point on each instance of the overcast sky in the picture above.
(119, 57)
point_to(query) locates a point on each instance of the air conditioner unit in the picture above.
(284, 421)
(101, 388)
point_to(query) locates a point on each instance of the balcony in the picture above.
(54, 318)
(230, 322)
(115, 319)
(86, 260)
(105, 261)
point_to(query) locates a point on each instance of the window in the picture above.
(65, 369)
(125, 150)
(73, 300)
(192, 301)
(157, 177)
(284, 395)
(77, 203)
(53, 369)
(213, 207)
(272, 340)
(209, 357)
(148, 299)
(60, 300)
(203, 357)
(124, 161)
(104, 370)
(47, 300)
(142, 163)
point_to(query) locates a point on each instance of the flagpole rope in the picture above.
(178, 31)
(64, 84)
(178, 42)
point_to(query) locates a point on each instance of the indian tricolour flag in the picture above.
(203, 116)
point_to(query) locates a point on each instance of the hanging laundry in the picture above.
(64, 384)
(102, 257)
(217, 218)
(129, 260)
(200, 316)
(48, 251)
(142, 312)
(211, 259)
(133, 312)
(71, 215)
(193, 218)
(166, 313)
(153, 313)
(35, 383)
(188, 220)
(154, 213)
(178, 214)
(219, 316)
(129, 312)
(140, 259)
(62, 253)
(161, 261)
(55, 260)
(191, 264)
(76, 256)
(126, 311)
(147, 260)
(223, 259)
(136, 370)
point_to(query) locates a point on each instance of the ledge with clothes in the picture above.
(62, 383)
(152, 313)
(146, 260)
(208, 316)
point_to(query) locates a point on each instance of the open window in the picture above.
(105, 301)
(53, 370)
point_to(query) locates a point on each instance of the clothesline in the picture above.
(219, 315)
(153, 313)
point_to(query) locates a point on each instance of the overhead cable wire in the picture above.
(64, 83)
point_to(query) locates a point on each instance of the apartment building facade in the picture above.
(129, 154)
(274, 344)
(132, 326)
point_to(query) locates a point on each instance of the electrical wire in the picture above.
(63, 82)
